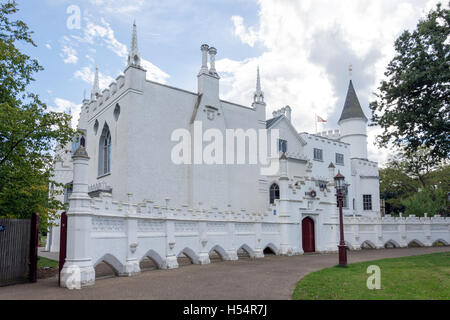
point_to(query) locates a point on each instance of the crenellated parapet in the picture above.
(149, 209)
(330, 134)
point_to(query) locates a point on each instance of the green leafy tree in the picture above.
(413, 103)
(413, 184)
(396, 185)
(426, 201)
(29, 132)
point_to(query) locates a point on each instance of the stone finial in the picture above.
(258, 96)
(134, 58)
(80, 153)
(96, 85)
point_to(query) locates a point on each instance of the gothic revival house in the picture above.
(127, 134)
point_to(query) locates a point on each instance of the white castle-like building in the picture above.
(130, 200)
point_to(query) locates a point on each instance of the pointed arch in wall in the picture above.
(440, 242)
(111, 261)
(247, 249)
(155, 257)
(415, 243)
(116, 112)
(220, 251)
(274, 193)
(349, 245)
(308, 235)
(270, 248)
(104, 151)
(190, 254)
(391, 244)
(368, 245)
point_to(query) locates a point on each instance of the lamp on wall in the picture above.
(339, 182)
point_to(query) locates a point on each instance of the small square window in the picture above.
(340, 158)
(367, 202)
(318, 154)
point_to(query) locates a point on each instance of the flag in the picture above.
(319, 119)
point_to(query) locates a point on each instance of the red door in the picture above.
(308, 235)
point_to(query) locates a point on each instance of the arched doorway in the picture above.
(308, 241)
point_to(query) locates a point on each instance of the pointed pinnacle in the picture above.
(96, 81)
(258, 80)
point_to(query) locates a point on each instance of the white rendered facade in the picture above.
(141, 203)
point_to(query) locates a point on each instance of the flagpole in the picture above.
(315, 121)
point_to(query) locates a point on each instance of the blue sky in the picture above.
(303, 47)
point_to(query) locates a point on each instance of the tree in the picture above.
(410, 184)
(396, 185)
(413, 103)
(426, 201)
(29, 132)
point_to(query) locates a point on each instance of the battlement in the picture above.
(330, 134)
(104, 205)
(388, 219)
(106, 96)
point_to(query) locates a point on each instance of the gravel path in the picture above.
(273, 277)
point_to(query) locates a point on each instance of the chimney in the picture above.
(212, 61)
(204, 48)
(208, 80)
(288, 112)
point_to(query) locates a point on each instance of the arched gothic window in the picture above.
(274, 193)
(83, 142)
(104, 159)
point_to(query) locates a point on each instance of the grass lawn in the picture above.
(424, 277)
(44, 262)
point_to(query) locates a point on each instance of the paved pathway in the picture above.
(269, 278)
(48, 254)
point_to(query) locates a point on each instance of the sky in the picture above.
(303, 47)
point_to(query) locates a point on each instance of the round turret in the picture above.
(353, 125)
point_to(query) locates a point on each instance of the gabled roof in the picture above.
(352, 107)
(271, 122)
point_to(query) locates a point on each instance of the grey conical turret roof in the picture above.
(352, 107)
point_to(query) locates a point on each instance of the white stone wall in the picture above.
(396, 232)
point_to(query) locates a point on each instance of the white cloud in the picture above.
(247, 36)
(48, 46)
(153, 72)
(87, 75)
(69, 55)
(66, 106)
(291, 65)
(103, 33)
